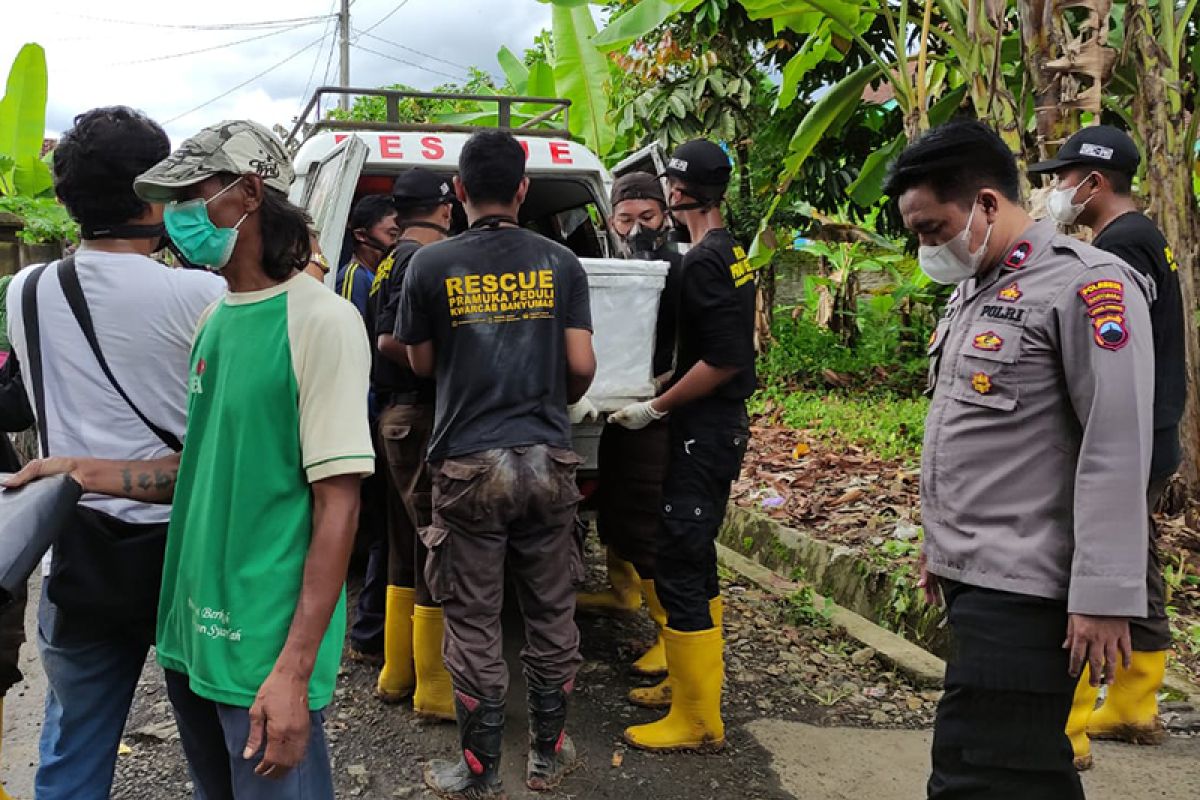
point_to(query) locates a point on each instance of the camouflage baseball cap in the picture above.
(238, 146)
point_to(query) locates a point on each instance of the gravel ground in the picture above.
(774, 669)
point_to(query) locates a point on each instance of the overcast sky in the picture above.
(92, 50)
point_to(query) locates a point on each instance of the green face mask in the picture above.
(193, 232)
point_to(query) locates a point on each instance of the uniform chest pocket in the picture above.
(987, 366)
(934, 352)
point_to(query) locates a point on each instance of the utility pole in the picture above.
(344, 37)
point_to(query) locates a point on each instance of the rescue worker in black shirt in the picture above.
(633, 464)
(708, 434)
(413, 631)
(1094, 172)
(501, 316)
(372, 233)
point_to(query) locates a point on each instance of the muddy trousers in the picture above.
(633, 466)
(1153, 633)
(517, 507)
(404, 432)
(1000, 729)
(708, 441)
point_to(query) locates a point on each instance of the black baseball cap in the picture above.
(1098, 146)
(637, 186)
(701, 163)
(420, 187)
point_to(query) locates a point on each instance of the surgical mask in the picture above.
(641, 240)
(954, 261)
(193, 231)
(1061, 204)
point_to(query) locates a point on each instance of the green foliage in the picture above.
(887, 424)
(46, 220)
(581, 75)
(803, 609)
(23, 125)
(374, 109)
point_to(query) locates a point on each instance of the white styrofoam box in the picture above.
(625, 296)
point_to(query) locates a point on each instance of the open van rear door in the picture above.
(328, 194)
(652, 159)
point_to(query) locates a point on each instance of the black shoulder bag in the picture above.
(102, 569)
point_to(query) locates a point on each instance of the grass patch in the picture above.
(889, 425)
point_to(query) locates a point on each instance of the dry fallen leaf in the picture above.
(618, 758)
(800, 451)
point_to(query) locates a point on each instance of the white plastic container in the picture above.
(625, 296)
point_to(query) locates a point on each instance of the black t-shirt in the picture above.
(667, 326)
(388, 377)
(716, 312)
(1137, 241)
(496, 304)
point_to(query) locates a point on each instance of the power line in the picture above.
(214, 47)
(313, 72)
(385, 18)
(246, 82)
(224, 26)
(414, 50)
(406, 63)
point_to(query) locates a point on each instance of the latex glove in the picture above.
(583, 411)
(637, 416)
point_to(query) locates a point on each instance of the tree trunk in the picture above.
(1161, 120)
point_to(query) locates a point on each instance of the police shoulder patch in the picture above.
(1110, 331)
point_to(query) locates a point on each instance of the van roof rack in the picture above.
(556, 114)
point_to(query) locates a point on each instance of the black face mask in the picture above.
(642, 241)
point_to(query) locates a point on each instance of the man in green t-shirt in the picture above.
(266, 492)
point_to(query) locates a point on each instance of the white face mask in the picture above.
(954, 261)
(1061, 203)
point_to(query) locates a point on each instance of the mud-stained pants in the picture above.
(404, 431)
(514, 506)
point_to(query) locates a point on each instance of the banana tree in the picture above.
(582, 74)
(1166, 123)
(23, 126)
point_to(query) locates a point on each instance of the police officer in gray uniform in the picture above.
(1037, 450)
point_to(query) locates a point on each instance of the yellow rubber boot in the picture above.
(397, 678)
(1130, 712)
(4, 795)
(659, 695)
(1081, 711)
(653, 662)
(624, 595)
(694, 722)
(434, 697)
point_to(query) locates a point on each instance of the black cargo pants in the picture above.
(1000, 729)
(1153, 634)
(633, 466)
(513, 506)
(708, 441)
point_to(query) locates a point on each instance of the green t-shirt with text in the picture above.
(277, 401)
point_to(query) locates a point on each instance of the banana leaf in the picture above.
(23, 122)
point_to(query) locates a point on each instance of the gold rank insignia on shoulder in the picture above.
(988, 340)
(981, 382)
(1010, 294)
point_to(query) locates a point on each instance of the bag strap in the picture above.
(33, 342)
(73, 291)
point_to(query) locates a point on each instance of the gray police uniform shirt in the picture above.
(1038, 440)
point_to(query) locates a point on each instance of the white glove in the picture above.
(583, 411)
(637, 416)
